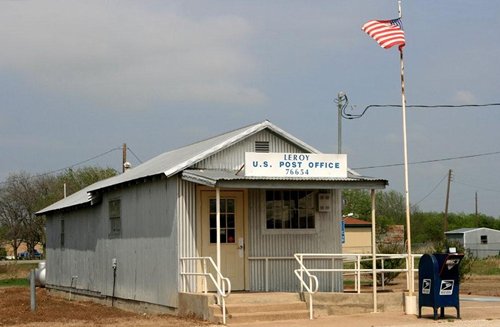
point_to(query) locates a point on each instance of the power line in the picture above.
(356, 116)
(80, 162)
(432, 191)
(73, 165)
(477, 187)
(136, 157)
(432, 160)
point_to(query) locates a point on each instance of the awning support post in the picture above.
(217, 217)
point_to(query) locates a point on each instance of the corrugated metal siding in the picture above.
(186, 209)
(280, 272)
(79, 255)
(145, 251)
(482, 250)
(234, 156)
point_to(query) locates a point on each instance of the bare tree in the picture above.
(11, 221)
(18, 204)
(22, 195)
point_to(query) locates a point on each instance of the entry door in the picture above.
(231, 235)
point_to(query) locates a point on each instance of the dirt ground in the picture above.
(54, 311)
(15, 310)
(481, 285)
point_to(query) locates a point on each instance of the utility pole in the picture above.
(477, 213)
(450, 172)
(124, 156)
(341, 96)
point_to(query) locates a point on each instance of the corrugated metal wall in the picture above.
(186, 211)
(280, 272)
(481, 250)
(234, 156)
(146, 251)
(327, 240)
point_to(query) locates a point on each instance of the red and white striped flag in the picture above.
(387, 33)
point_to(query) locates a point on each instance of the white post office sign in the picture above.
(295, 165)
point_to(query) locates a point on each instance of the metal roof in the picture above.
(172, 162)
(467, 230)
(355, 222)
(77, 198)
(175, 161)
(227, 178)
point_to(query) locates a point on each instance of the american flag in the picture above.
(387, 33)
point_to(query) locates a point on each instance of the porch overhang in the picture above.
(235, 179)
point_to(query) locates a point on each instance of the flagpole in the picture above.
(405, 154)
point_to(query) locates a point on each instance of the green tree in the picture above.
(389, 206)
(393, 263)
(357, 202)
(427, 227)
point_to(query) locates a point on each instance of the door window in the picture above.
(227, 224)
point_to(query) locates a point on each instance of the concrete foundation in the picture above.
(410, 304)
(197, 305)
(123, 304)
(327, 304)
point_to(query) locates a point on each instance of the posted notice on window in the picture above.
(295, 165)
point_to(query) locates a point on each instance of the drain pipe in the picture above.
(73, 279)
(114, 264)
(32, 290)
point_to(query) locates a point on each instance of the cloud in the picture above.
(120, 54)
(464, 97)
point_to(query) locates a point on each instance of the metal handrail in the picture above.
(357, 259)
(313, 282)
(221, 283)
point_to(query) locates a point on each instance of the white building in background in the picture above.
(482, 242)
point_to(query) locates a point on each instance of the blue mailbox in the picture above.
(438, 281)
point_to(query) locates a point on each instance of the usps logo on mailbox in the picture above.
(446, 287)
(426, 286)
(450, 263)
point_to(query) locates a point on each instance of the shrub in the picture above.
(465, 268)
(397, 263)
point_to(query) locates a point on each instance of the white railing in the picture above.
(266, 266)
(311, 285)
(222, 284)
(356, 259)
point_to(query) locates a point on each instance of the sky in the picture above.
(80, 78)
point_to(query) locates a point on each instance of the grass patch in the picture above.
(15, 270)
(488, 266)
(350, 282)
(14, 282)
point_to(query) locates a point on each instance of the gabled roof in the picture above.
(175, 161)
(172, 162)
(468, 230)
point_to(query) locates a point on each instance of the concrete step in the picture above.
(255, 307)
(275, 297)
(263, 316)
(261, 307)
(352, 303)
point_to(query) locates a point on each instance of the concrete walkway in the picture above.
(475, 311)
